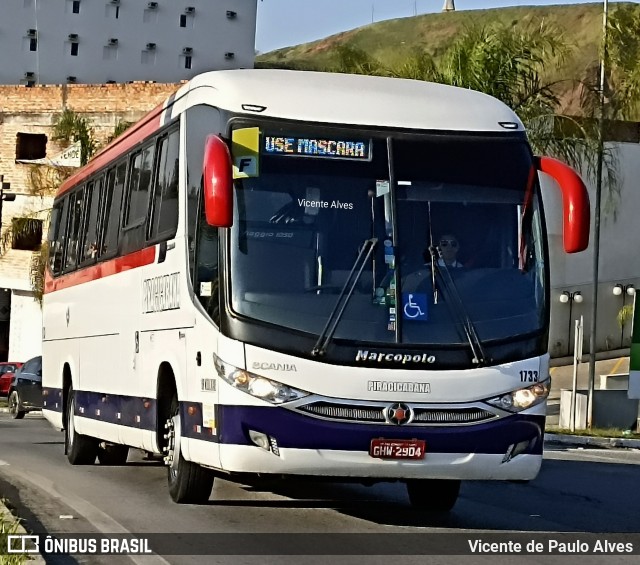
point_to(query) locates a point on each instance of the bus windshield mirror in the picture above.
(343, 298)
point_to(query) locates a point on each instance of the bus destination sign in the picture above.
(317, 147)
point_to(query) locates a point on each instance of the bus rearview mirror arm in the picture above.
(575, 203)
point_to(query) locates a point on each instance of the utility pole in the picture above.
(9, 197)
(596, 216)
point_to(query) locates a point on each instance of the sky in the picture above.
(282, 23)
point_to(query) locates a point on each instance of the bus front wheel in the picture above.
(433, 494)
(189, 483)
(80, 449)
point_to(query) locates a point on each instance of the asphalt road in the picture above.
(578, 490)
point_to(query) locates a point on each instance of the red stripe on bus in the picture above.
(134, 260)
(116, 149)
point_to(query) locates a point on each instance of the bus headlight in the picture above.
(523, 398)
(255, 385)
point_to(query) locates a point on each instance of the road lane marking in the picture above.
(588, 454)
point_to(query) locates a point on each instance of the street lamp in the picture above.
(623, 290)
(570, 298)
(9, 197)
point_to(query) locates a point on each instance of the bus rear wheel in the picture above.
(436, 495)
(189, 483)
(80, 449)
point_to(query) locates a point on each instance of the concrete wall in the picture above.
(208, 32)
(619, 261)
(25, 337)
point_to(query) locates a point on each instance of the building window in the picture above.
(183, 20)
(187, 62)
(75, 7)
(74, 49)
(112, 9)
(27, 233)
(33, 44)
(31, 146)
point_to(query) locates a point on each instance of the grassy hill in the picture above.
(390, 41)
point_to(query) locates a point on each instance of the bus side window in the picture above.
(111, 211)
(76, 206)
(137, 202)
(164, 213)
(207, 285)
(89, 239)
(57, 233)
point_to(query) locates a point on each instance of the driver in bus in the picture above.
(448, 247)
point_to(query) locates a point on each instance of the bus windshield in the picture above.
(456, 220)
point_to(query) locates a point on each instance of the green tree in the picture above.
(120, 128)
(70, 127)
(623, 56)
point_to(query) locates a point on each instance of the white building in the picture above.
(20, 313)
(100, 41)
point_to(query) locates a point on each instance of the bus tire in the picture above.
(112, 454)
(436, 495)
(189, 483)
(15, 405)
(80, 449)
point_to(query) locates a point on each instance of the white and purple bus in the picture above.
(252, 280)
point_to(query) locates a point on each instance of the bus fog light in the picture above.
(516, 449)
(523, 398)
(260, 439)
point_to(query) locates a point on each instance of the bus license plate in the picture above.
(397, 448)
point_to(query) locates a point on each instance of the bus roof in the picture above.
(356, 99)
(323, 98)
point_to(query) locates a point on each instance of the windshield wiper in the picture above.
(454, 301)
(345, 295)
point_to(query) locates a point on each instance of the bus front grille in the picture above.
(451, 416)
(375, 414)
(346, 413)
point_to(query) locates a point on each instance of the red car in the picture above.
(6, 376)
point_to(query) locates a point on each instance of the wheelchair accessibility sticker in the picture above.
(414, 306)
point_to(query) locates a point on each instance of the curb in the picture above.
(592, 441)
(37, 559)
